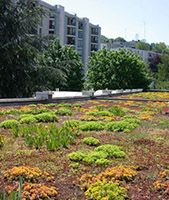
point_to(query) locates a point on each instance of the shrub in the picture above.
(91, 141)
(111, 150)
(63, 112)
(10, 123)
(28, 120)
(109, 191)
(46, 117)
(91, 126)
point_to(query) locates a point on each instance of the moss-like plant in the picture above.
(91, 141)
(109, 191)
(103, 161)
(76, 156)
(10, 123)
(46, 117)
(93, 156)
(111, 150)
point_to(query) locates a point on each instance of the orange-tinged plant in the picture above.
(34, 191)
(115, 174)
(27, 173)
(162, 182)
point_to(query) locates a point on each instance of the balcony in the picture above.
(94, 31)
(71, 31)
(94, 39)
(71, 21)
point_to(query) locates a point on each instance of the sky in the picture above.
(130, 19)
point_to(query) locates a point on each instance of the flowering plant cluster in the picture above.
(32, 174)
(116, 175)
(33, 187)
(162, 182)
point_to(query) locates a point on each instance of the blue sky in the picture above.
(124, 18)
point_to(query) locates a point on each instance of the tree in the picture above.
(160, 47)
(119, 39)
(116, 69)
(142, 45)
(17, 55)
(60, 67)
(163, 68)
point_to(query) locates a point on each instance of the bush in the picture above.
(91, 141)
(63, 112)
(91, 126)
(28, 120)
(10, 123)
(109, 191)
(46, 117)
(111, 150)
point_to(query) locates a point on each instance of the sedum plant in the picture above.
(91, 141)
(10, 123)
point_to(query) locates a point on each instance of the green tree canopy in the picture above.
(60, 67)
(17, 55)
(143, 45)
(116, 69)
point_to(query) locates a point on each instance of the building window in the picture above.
(80, 25)
(94, 47)
(51, 32)
(94, 31)
(71, 21)
(94, 39)
(71, 40)
(51, 24)
(80, 34)
(71, 31)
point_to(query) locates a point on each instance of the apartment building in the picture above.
(70, 29)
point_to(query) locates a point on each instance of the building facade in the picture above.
(70, 30)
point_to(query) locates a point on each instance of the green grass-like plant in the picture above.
(100, 113)
(117, 111)
(1, 141)
(91, 141)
